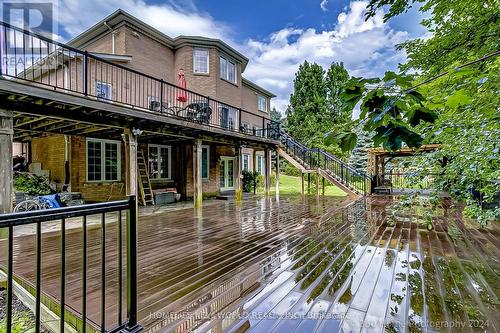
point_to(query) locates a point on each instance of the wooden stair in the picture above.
(145, 191)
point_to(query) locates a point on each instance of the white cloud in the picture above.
(323, 5)
(173, 17)
(365, 47)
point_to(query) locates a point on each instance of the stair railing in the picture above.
(316, 158)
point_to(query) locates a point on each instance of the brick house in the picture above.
(130, 63)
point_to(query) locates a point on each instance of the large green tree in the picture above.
(336, 80)
(466, 100)
(306, 114)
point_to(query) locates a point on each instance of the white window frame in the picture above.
(194, 60)
(226, 72)
(260, 164)
(247, 158)
(103, 160)
(110, 90)
(169, 163)
(207, 147)
(259, 99)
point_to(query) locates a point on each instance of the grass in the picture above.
(292, 185)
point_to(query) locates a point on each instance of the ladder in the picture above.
(145, 190)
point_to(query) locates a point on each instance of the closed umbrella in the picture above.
(181, 82)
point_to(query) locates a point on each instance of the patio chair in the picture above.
(197, 111)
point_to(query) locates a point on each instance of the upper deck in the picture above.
(78, 89)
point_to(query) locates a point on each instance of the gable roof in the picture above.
(257, 88)
(121, 17)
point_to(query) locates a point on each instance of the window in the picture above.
(262, 103)
(227, 70)
(260, 164)
(103, 90)
(159, 161)
(245, 162)
(205, 162)
(103, 160)
(200, 61)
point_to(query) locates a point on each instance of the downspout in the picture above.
(113, 38)
(67, 141)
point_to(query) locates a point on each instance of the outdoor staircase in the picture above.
(309, 160)
(145, 190)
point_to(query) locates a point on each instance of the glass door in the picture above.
(226, 173)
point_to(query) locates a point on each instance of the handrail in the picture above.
(83, 70)
(316, 158)
(100, 211)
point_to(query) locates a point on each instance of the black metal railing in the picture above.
(416, 180)
(315, 158)
(100, 211)
(48, 63)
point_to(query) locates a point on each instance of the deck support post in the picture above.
(317, 184)
(267, 171)
(302, 181)
(277, 173)
(238, 193)
(6, 165)
(197, 180)
(308, 183)
(323, 185)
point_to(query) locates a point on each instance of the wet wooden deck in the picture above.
(232, 268)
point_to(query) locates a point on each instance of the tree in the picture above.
(306, 116)
(466, 101)
(275, 115)
(358, 159)
(336, 80)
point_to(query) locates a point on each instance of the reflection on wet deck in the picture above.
(295, 265)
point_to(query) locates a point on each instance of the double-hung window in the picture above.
(159, 158)
(200, 61)
(103, 160)
(262, 103)
(227, 70)
(103, 90)
(205, 162)
(260, 164)
(245, 162)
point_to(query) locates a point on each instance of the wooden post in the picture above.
(197, 181)
(267, 171)
(132, 145)
(309, 183)
(323, 185)
(6, 173)
(238, 193)
(277, 173)
(317, 184)
(302, 178)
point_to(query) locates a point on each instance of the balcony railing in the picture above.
(39, 60)
(71, 268)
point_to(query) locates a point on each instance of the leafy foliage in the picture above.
(32, 184)
(250, 180)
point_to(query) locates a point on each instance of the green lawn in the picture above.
(292, 185)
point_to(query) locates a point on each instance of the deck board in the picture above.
(309, 257)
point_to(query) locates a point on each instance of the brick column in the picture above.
(6, 173)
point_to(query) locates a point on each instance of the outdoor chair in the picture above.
(198, 112)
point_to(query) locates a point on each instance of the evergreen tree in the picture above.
(306, 116)
(275, 115)
(358, 158)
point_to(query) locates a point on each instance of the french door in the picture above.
(226, 173)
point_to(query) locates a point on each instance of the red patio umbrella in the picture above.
(181, 82)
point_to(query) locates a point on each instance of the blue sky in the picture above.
(276, 35)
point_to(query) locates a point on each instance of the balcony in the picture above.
(31, 59)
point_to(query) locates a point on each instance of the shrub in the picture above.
(32, 184)
(250, 180)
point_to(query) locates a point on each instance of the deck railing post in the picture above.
(161, 95)
(132, 325)
(85, 72)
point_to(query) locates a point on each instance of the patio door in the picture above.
(226, 173)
